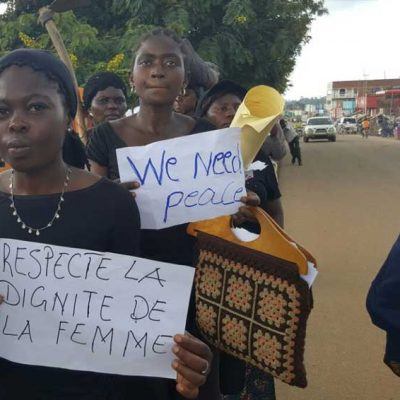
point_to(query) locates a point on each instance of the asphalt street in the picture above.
(343, 205)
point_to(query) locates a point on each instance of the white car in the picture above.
(347, 125)
(319, 128)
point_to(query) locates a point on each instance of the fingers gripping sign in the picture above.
(192, 364)
(131, 186)
(245, 214)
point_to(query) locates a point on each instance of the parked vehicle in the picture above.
(319, 128)
(347, 125)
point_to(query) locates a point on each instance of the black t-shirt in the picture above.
(103, 217)
(264, 182)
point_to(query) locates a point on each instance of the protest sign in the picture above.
(186, 179)
(90, 311)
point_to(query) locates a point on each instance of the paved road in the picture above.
(343, 204)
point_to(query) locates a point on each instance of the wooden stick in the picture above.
(46, 19)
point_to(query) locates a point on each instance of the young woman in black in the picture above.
(219, 106)
(43, 199)
(158, 77)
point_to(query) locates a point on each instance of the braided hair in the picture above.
(199, 73)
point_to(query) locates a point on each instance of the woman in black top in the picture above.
(219, 105)
(42, 199)
(104, 97)
(158, 77)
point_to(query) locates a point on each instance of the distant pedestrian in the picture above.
(365, 128)
(292, 138)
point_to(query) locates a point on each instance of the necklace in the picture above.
(56, 215)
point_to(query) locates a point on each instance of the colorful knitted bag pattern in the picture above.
(253, 306)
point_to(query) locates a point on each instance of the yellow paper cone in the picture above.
(257, 114)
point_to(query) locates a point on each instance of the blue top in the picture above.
(383, 302)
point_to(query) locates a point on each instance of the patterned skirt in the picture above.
(258, 386)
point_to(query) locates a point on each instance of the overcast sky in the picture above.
(357, 37)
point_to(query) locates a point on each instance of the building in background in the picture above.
(346, 98)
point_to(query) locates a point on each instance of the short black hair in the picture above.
(101, 81)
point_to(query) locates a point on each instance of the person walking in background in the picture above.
(365, 128)
(293, 141)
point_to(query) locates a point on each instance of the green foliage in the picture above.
(252, 41)
(301, 104)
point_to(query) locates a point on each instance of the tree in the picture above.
(252, 41)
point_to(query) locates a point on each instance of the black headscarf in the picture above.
(99, 82)
(220, 89)
(45, 62)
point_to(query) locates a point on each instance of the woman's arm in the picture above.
(275, 210)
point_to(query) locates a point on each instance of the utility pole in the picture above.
(365, 92)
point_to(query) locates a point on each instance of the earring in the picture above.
(133, 89)
(183, 91)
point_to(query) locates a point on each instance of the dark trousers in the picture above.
(294, 147)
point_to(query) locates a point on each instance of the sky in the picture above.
(356, 38)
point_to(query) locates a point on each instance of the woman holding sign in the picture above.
(219, 106)
(42, 199)
(158, 76)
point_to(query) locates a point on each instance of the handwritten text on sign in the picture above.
(90, 311)
(185, 179)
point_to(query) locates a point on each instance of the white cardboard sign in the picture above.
(186, 179)
(90, 311)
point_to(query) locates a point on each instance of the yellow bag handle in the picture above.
(271, 240)
(306, 253)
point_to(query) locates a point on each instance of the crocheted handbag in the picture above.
(250, 300)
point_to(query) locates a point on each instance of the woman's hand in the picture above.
(192, 364)
(244, 214)
(129, 186)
